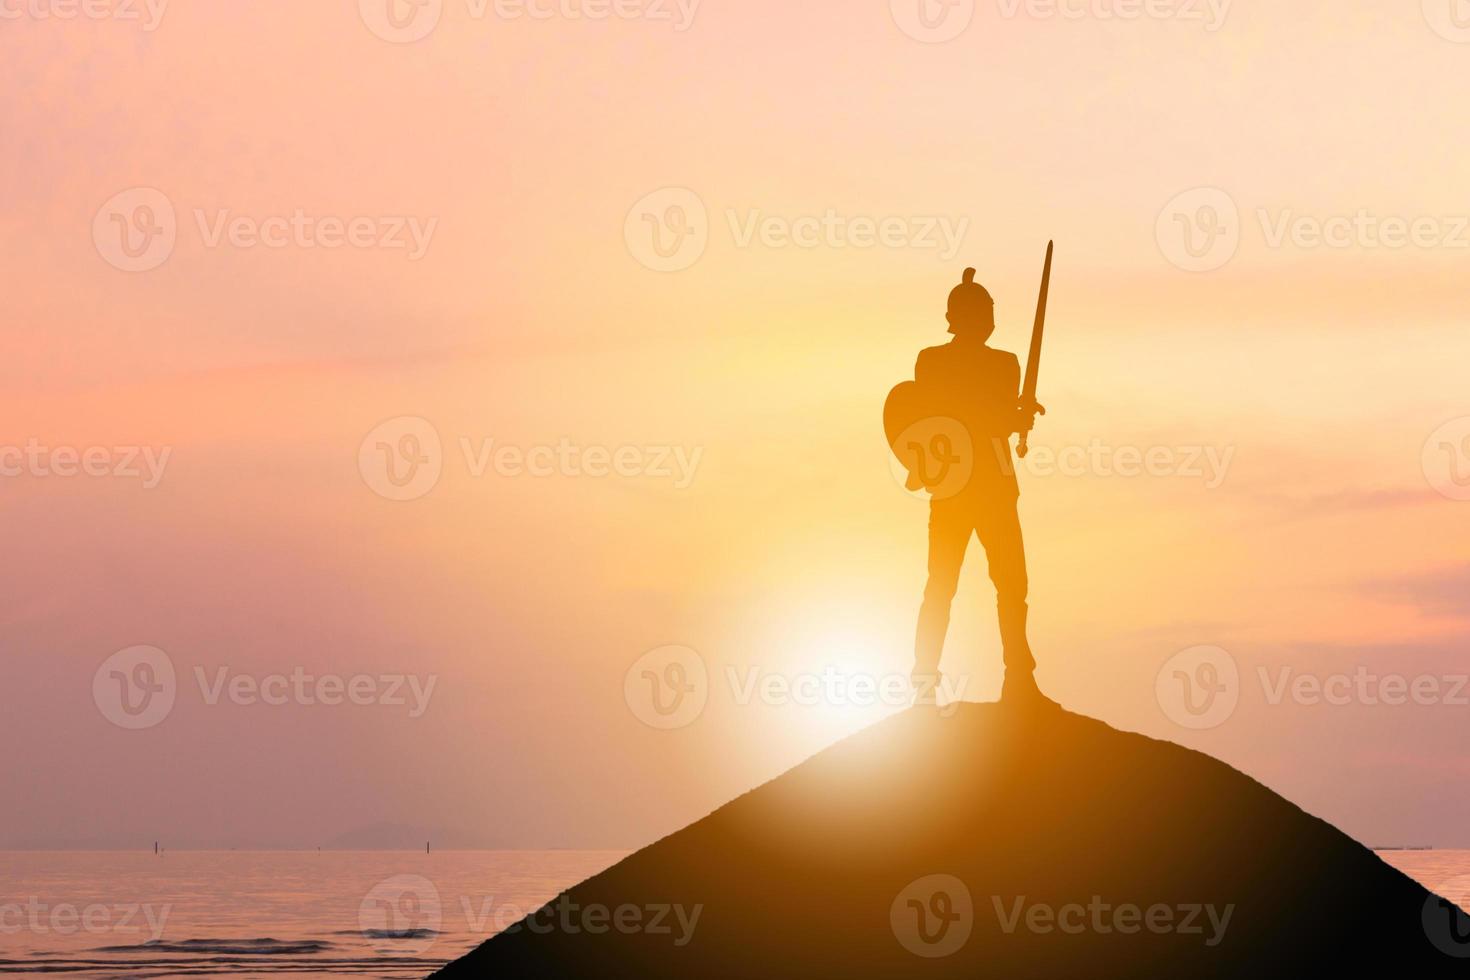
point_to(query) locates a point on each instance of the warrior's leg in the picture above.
(1000, 533)
(949, 535)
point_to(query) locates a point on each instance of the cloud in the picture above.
(1299, 508)
(1440, 592)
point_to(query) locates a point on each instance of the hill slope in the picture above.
(1063, 848)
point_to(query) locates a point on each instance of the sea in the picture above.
(135, 914)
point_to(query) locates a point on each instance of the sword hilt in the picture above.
(1033, 407)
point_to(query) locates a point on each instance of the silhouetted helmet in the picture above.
(969, 297)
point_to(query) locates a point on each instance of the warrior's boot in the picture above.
(1020, 687)
(928, 648)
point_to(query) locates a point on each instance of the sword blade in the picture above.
(1033, 360)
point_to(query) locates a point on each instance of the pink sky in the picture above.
(1332, 542)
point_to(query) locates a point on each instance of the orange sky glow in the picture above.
(488, 229)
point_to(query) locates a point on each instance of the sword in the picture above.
(1033, 360)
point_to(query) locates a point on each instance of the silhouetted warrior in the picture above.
(978, 386)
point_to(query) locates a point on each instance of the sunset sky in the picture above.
(1302, 394)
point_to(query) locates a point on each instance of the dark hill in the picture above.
(1069, 849)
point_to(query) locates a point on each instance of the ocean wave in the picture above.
(225, 947)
